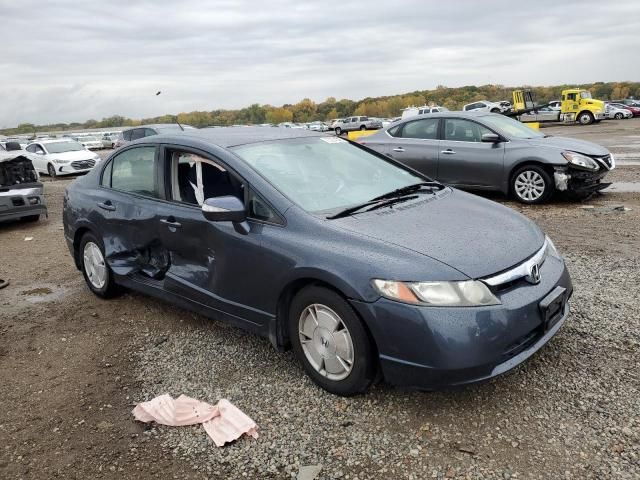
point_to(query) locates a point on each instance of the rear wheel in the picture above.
(532, 185)
(585, 118)
(96, 272)
(51, 170)
(30, 218)
(331, 342)
(363, 127)
(338, 131)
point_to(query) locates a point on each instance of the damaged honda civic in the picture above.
(365, 268)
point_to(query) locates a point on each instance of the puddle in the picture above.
(43, 294)
(623, 187)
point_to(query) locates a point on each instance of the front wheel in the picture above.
(532, 185)
(363, 127)
(331, 342)
(618, 116)
(338, 131)
(585, 118)
(96, 272)
(51, 170)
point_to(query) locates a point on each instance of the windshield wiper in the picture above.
(409, 189)
(374, 203)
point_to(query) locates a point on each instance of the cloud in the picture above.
(69, 61)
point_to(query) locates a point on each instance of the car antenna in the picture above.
(181, 127)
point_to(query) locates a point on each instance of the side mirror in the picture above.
(491, 138)
(224, 209)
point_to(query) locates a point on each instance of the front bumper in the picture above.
(16, 203)
(435, 347)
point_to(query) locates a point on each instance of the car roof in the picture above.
(469, 114)
(230, 137)
(158, 125)
(53, 140)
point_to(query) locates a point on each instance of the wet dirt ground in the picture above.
(69, 372)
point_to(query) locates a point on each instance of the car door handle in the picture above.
(170, 223)
(448, 151)
(107, 206)
(398, 149)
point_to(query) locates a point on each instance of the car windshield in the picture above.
(324, 173)
(510, 128)
(61, 147)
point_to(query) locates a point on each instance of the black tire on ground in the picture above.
(363, 370)
(338, 131)
(585, 118)
(110, 288)
(534, 171)
(51, 170)
(363, 127)
(30, 218)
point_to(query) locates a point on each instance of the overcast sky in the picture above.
(64, 61)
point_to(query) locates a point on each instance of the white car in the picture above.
(484, 105)
(109, 139)
(318, 127)
(616, 112)
(413, 111)
(555, 105)
(61, 157)
(89, 142)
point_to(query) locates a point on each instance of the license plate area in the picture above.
(552, 307)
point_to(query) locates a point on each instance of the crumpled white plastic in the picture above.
(223, 422)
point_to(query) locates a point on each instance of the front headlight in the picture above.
(438, 294)
(580, 161)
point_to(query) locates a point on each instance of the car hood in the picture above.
(77, 155)
(562, 143)
(475, 236)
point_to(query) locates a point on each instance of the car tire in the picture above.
(30, 218)
(331, 326)
(363, 128)
(618, 116)
(531, 185)
(585, 118)
(495, 110)
(338, 131)
(51, 170)
(106, 288)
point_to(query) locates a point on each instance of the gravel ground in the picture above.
(570, 412)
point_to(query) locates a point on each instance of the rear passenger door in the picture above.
(416, 145)
(126, 214)
(467, 161)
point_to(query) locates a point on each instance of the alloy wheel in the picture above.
(530, 185)
(51, 170)
(326, 342)
(94, 265)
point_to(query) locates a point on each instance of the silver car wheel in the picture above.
(530, 185)
(94, 265)
(326, 342)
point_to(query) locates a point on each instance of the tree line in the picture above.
(307, 110)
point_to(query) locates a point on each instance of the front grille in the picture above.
(605, 161)
(83, 164)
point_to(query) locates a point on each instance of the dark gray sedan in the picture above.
(487, 151)
(358, 263)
